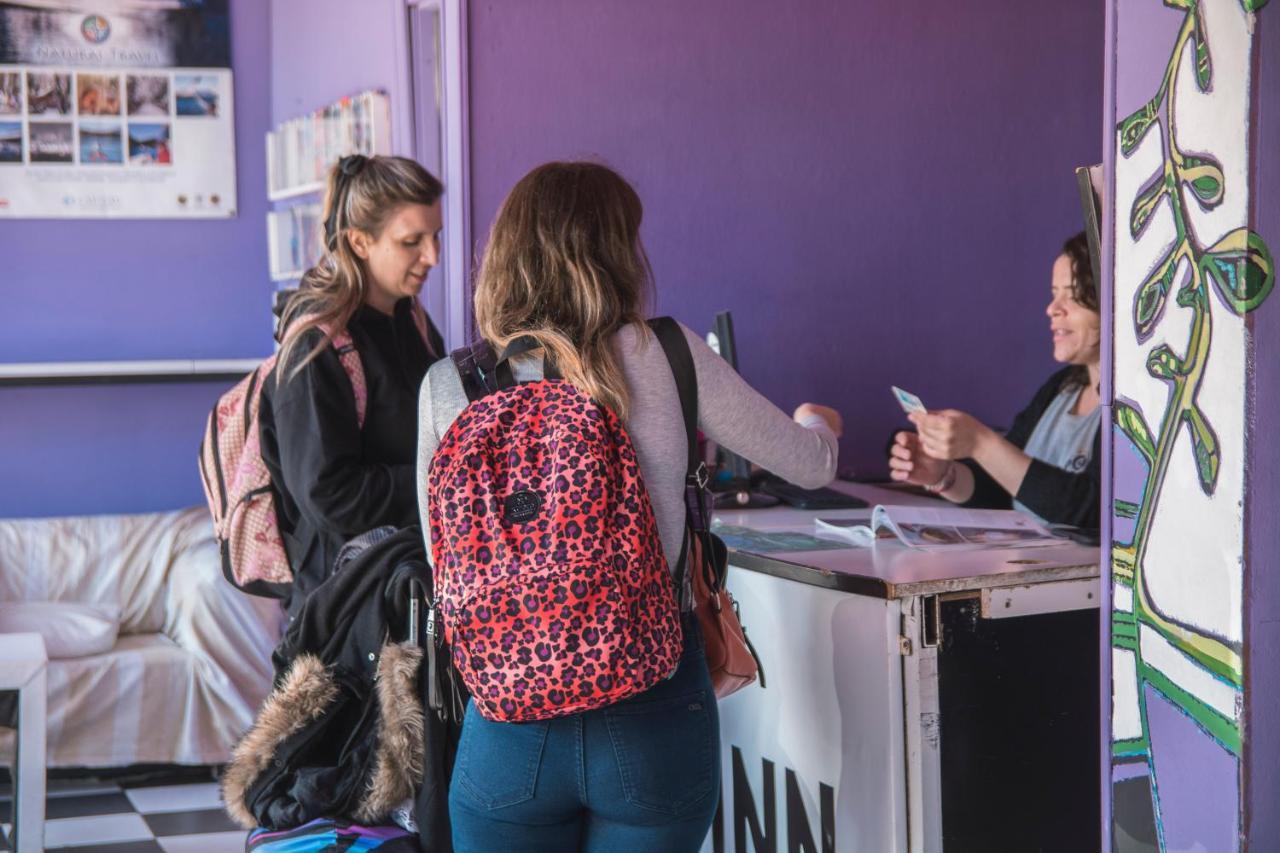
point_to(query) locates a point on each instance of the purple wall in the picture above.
(876, 189)
(167, 289)
(90, 290)
(869, 189)
(1262, 593)
(320, 52)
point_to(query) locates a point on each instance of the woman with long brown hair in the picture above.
(336, 474)
(565, 279)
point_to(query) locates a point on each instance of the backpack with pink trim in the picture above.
(237, 483)
(556, 596)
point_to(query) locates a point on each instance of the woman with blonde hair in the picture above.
(339, 472)
(561, 292)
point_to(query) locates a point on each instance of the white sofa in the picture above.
(192, 660)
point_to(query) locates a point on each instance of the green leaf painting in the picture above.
(1135, 127)
(1204, 443)
(1133, 425)
(1204, 65)
(1148, 303)
(1145, 204)
(1241, 269)
(1203, 175)
(1162, 363)
(1125, 509)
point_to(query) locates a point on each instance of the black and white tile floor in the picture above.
(132, 817)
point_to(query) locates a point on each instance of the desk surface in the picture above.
(890, 569)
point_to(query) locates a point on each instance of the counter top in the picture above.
(890, 569)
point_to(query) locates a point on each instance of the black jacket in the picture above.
(1058, 496)
(333, 479)
(349, 730)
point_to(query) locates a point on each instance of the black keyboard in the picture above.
(823, 498)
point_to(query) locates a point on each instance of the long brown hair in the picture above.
(362, 193)
(564, 265)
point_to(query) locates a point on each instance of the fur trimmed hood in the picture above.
(398, 767)
(306, 692)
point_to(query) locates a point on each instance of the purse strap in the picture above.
(697, 513)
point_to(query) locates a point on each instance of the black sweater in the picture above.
(333, 479)
(1058, 496)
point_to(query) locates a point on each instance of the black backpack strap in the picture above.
(697, 514)
(681, 361)
(528, 343)
(479, 370)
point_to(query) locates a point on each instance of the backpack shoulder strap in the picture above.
(423, 324)
(349, 356)
(476, 366)
(681, 360)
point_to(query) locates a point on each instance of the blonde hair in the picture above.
(361, 194)
(564, 265)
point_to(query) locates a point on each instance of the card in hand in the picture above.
(908, 401)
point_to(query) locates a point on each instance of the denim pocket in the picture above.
(667, 750)
(498, 763)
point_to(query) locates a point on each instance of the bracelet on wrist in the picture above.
(946, 481)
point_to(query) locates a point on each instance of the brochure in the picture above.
(930, 529)
(771, 541)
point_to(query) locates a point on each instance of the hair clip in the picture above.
(352, 164)
(348, 168)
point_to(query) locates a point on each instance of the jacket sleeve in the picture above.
(1058, 496)
(321, 456)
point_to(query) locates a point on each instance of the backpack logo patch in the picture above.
(521, 506)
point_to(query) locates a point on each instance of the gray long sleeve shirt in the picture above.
(730, 412)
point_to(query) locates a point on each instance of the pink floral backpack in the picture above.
(238, 486)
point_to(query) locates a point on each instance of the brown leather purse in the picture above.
(730, 656)
(704, 558)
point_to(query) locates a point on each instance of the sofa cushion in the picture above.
(120, 561)
(70, 630)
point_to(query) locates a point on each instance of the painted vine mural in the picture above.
(1238, 270)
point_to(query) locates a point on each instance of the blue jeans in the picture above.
(641, 775)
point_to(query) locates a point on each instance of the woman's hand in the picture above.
(950, 434)
(909, 463)
(806, 410)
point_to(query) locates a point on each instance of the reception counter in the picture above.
(915, 701)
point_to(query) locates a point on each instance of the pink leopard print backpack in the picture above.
(556, 596)
(236, 481)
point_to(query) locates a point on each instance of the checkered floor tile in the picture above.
(106, 817)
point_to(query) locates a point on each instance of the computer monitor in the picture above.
(740, 489)
(734, 490)
(1091, 183)
(722, 342)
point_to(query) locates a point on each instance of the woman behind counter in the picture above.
(1049, 462)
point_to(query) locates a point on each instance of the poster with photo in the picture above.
(116, 108)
